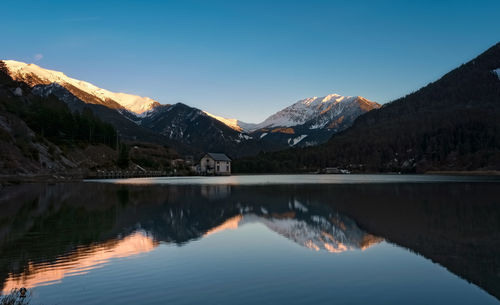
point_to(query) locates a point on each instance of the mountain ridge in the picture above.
(34, 75)
(192, 130)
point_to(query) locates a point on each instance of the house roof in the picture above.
(219, 157)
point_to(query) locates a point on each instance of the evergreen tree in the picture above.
(123, 156)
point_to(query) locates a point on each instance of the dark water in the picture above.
(254, 240)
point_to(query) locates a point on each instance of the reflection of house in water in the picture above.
(215, 191)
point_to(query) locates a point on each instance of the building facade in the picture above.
(215, 164)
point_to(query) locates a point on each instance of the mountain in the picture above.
(198, 130)
(190, 130)
(41, 135)
(450, 124)
(330, 111)
(308, 122)
(121, 110)
(33, 75)
(136, 118)
(314, 120)
(47, 132)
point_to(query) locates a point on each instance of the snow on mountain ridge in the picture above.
(233, 123)
(497, 72)
(35, 75)
(308, 109)
(330, 113)
(302, 111)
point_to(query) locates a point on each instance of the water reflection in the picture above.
(48, 232)
(78, 262)
(334, 234)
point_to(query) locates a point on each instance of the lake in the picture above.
(264, 239)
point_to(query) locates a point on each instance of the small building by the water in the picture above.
(215, 164)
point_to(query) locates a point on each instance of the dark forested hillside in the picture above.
(450, 124)
(38, 134)
(56, 133)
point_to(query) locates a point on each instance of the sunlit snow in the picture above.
(137, 104)
(497, 71)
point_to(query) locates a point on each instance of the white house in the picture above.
(215, 164)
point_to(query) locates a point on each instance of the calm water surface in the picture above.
(288, 239)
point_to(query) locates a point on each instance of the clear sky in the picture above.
(248, 59)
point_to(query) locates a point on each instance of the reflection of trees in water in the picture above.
(456, 225)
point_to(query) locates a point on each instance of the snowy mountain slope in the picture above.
(323, 110)
(312, 121)
(34, 75)
(234, 123)
(124, 121)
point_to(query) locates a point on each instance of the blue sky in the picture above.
(248, 59)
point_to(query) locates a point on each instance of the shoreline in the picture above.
(40, 178)
(57, 177)
(465, 173)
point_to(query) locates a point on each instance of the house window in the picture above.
(218, 169)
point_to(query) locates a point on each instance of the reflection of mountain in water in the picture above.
(323, 234)
(455, 225)
(336, 233)
(79, 261)
(80, 232)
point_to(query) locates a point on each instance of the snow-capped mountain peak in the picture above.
(315, 99)
(34, 75)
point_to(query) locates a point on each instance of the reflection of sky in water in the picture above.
(253, 265)
(299, 179)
